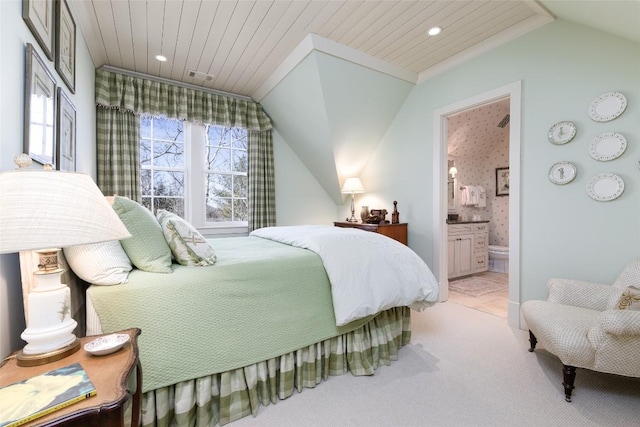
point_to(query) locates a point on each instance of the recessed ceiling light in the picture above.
(161, 58)
(434, 31)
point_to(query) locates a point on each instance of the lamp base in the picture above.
(48, 357)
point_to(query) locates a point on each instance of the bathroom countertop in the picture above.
(466, 221)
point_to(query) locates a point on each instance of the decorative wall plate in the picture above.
(607, 146)
(562, 173)
(106, 344)
(561, 133)
(607, 106)
(604, 187)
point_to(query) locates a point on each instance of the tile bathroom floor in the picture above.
(495, 303)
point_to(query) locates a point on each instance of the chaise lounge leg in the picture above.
(532, 340)
(569, 376)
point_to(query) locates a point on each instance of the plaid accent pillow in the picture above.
(187, 245)
(630, 299)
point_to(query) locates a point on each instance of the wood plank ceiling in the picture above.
(234, 46)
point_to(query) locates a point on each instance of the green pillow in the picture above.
(187, 244)
(146, 248)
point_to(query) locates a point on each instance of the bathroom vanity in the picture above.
(468, 247)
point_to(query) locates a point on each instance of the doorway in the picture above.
(512, 92)
(478, 230)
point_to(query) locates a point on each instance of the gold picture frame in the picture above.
(66, 133)
(38, 15)
(66, 45)
(39, 110)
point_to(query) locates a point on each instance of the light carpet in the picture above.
(463, 367)
(476, 286)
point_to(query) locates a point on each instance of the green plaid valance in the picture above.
(141, 96)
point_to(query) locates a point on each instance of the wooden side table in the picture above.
(109, 374)
(395, 231)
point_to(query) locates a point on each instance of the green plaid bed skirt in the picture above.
(227, 396)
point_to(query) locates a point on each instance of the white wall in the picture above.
(563, 67)
(14, 35)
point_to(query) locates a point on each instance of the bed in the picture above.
(262, 322)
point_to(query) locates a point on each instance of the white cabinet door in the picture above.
(460, 255)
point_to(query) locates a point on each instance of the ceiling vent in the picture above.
(504, 121)
(200, 75)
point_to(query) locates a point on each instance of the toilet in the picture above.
(499, 259)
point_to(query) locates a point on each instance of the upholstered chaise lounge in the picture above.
(590, 325)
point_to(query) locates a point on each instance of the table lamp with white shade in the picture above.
(352, 186)
(45, 210)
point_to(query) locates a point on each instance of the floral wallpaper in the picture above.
(478, 146)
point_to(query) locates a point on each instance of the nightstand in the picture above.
(395, 231)
(110, 374)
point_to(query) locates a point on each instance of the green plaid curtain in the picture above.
(262, 188)
(126, 95)
(118, 152)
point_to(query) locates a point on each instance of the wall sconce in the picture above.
(453, 171)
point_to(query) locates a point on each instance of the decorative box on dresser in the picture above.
(116, 376)
(468, 248)
(395, 231)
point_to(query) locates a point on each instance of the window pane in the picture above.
(168, 154)
(239, 138)
(168, 183)
(170, 204)
(218, 209)
(146, 202)
(145, 152)
(219, 185)
(145, 182)
(219, 159)
(218, 136)
(145, 127)
(240, 186)
(239, 161)
(240, 210)
(168, 129)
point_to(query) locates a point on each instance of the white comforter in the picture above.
(368, 272)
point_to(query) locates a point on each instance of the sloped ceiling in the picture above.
(474, 133)
(333, 114)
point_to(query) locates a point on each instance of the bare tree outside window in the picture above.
(226, 165)
(162, 164)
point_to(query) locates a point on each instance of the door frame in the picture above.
(513, 91)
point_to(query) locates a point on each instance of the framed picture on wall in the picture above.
(38, 15)
(39, 110)
(66, 135)
(502, 181)
(66, 45)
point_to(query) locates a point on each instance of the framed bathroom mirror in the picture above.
(452, 194)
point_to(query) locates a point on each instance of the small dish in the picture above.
(561, 133)
(607, 146)
(604, 187)
(607, 106)
(106, 345)
(562, 173)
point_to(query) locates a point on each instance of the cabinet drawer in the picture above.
(481, 262)
(480, 228)
(480, 243)
(460, 229)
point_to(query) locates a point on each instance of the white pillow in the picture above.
(100, 263)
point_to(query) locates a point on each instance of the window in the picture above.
(197, 172)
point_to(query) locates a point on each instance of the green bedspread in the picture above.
(261, 299)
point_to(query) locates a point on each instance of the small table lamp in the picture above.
(353, 186)
(41, 209)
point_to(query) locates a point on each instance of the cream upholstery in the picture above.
(581, 323)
